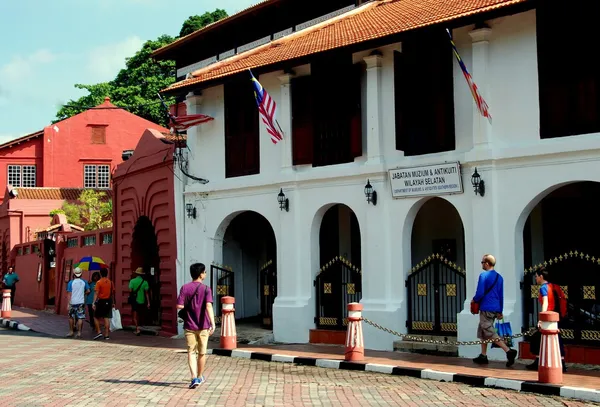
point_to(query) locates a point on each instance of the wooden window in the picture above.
(73, 242)
(242, 146)
(22, 176)
(107, 238)
(337, 127)
(98, 134)
(568, 70)
(89, 240)
(302, 120)
(424, 94)
(96, 176)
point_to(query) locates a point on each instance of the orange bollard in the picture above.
(355, 344)
(550, 365)
(228, 332)
(6, 308)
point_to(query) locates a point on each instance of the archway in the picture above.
(436, 282)
(561, 234)
(145, 254)
(339, 281)
(249, 268)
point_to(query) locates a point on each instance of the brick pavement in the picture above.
(50, 371)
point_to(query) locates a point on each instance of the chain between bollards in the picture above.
(419, 339)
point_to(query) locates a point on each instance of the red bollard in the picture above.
(550, 365)
(6, 308)
(228, 332)
(355, 344)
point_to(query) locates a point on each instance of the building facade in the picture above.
(371, 97)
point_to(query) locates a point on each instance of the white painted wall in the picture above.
(518, 169)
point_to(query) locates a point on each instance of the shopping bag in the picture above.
(115, 322)
(504, 331)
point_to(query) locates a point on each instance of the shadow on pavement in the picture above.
(143, 382)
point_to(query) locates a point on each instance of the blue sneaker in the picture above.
(195, 383)
(201, 380)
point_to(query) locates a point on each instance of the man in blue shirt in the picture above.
(10, 281)
(490, 297)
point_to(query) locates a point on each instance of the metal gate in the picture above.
(268, 282)
(222, 279)
(578, 274)
(436, 294)
(339, 283)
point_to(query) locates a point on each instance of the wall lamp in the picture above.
(284, 203)
(191, 210)
(478, 184)
(370, 194)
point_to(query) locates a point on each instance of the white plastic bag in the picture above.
(115, 322)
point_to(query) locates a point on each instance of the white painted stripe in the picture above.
(331, 364)
(580, 393)
(374, 367)
(282, 358)
(241, 354)
(435, 375)
(209, 351)
(503, 383)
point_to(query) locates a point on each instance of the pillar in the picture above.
(482, 129)
(373, 112)
(284, 117)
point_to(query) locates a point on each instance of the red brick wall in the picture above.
(30, 292)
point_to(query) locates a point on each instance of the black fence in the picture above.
(223, 285)
(578, 274)
(436, 294)
(268, 282)
(338, 284)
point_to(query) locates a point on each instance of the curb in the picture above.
(472, 380)
(10, 324)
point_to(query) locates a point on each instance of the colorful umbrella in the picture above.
(91, 263)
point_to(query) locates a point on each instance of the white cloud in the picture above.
(22, 67)
(104, 62)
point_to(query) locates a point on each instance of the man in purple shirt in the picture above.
(196, 299)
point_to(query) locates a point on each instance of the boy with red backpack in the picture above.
(552, 298)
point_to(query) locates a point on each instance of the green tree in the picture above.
(134, 88)
(194, 23)
(92, 212)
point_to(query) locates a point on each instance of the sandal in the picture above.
(137, 333)
(70, 335)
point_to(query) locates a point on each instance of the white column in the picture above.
(193, 105)
(482, 129)
(284, 117)
(374, 125)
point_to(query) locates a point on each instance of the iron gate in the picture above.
(268, 282)
(578, 274)
(339, 283)
(436, 294)
(222, 279)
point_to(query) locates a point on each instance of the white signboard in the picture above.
(438, 179)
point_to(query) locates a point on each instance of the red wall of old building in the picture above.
(30, 292)
(72, 255)
(26, 153)
(143, 188)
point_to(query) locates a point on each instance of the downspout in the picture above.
(115, 235)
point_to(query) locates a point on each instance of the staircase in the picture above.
(428, 348)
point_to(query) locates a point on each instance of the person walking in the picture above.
(196, 301)
(10, 281)
(138, 297)
(76, 292)
(103, 304)
(548, 302)
(490, 297)
(89, 300)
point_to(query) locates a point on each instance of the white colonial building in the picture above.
(373, 94)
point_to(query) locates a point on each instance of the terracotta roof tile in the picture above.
(67, 194)
(373, 20)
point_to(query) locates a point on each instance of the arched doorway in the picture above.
(436, 282)
(339, 281)
(248, 270)
(144, 253)
(561, 234)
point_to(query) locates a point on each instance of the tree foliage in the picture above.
(92, 212)
(194, 23)
(135, 87)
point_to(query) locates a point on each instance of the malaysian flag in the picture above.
(184, 122)
(267, 109)
(481, 105)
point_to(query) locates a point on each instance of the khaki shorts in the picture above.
(197, 341)
(486, 330)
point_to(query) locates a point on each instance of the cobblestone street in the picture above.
(36, 370)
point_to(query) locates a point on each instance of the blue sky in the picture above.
(48, 46)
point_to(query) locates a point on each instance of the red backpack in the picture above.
(560, 300)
